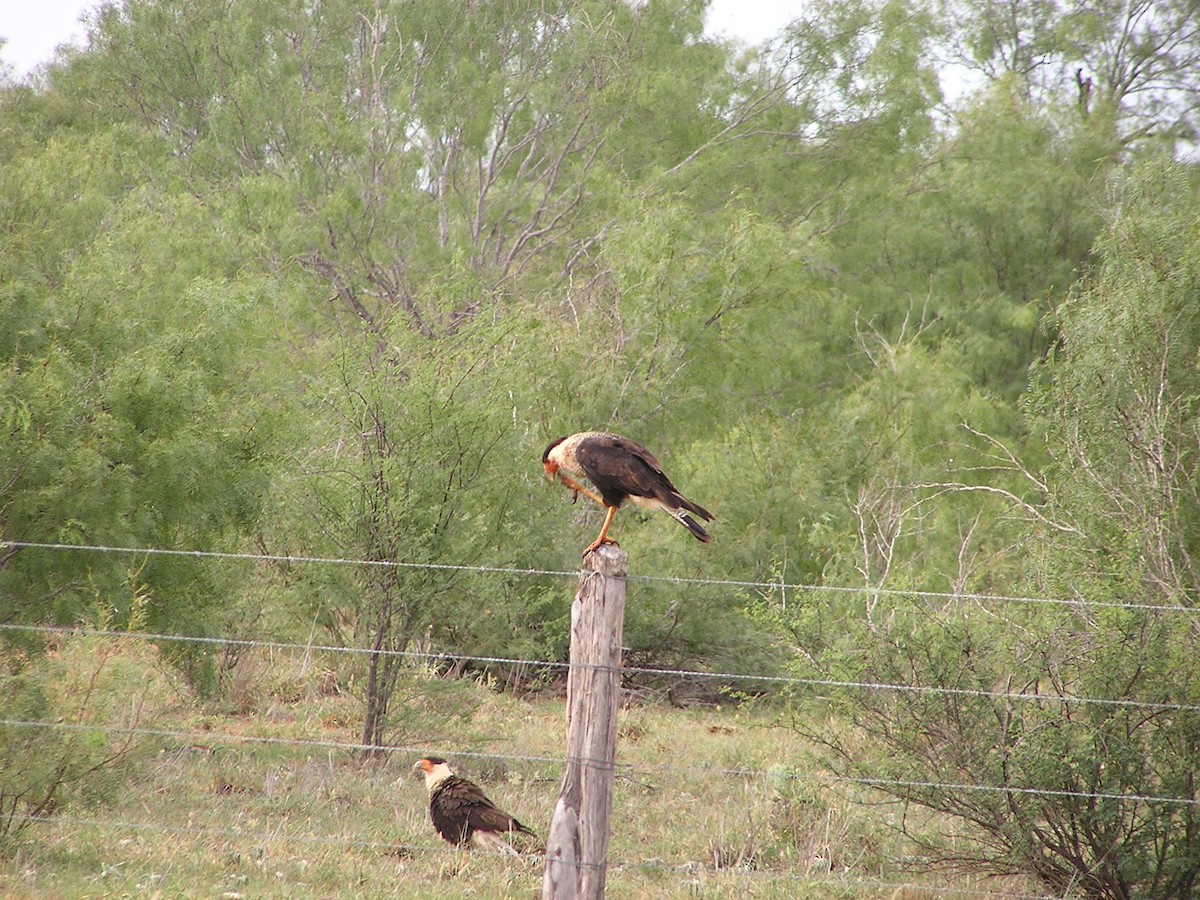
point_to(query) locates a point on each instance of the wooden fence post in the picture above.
(577, 844)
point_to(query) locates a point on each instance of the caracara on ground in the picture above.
(461, 813)
(621, 470)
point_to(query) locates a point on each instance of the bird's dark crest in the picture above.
(553, 444)
(436, 760)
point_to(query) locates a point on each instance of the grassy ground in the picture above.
(259, 797)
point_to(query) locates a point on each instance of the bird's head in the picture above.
(549, 463)
(434, 768)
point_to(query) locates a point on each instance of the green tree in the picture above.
(1072, 726)
(1130, 67)
(1119, 403)
(423, 469)
(128, 399)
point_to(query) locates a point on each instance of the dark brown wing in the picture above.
(458, 808)
(621, 468)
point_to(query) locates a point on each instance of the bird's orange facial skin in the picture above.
(551, 470)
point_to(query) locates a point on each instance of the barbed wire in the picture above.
(650, 865)
(890, 785)
(203, 738)
(287, 559)
(791, 680)
(625, 769)
(776, 585)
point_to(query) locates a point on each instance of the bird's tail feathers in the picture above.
(693, 526)
(486, 840)
(679, 500)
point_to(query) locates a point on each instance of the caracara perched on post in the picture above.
(461, 813)
(621, 470)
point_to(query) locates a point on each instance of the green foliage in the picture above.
(1088, 786)
(67, 740)
(422, 473)
(325, 280)
(128, 391)
(985, 235)
(1064, 735)
(1119, 401)
(1127, 68)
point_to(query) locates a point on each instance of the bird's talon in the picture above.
(599, 544)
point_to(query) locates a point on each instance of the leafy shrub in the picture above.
(71, 734)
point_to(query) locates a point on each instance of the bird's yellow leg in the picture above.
(603, 538)
(580, 489)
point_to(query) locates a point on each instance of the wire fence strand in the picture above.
(662, 672)
(625, 769)
(771, 586)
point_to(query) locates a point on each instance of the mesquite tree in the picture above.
(1064, 735)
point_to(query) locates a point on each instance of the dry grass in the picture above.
(217, 815)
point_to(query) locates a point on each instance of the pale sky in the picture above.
(31, 29)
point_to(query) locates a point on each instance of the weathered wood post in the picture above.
(577, 845)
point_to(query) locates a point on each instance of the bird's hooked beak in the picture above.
(423, 766)
(552, 475)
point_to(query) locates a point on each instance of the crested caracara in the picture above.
(621, 470)
(461, 813)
